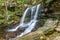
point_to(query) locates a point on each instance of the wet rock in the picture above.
(39, 34)
(55, 6)
(32, 36)
(49, 26)
(12, 34)
(58, 27)
(47, 38)
(57, 38)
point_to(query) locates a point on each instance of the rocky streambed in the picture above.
(50, 31)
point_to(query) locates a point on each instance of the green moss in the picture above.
(47, 1)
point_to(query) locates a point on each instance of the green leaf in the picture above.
(1, 20)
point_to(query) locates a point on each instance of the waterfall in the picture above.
(22, 24)
(30, 24)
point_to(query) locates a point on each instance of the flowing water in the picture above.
(29, 20)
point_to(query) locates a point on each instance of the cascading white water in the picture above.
(31, 24)
(21, 23)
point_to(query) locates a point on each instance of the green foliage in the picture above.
(9, 14)
(1, 2)
(47, 1)
(1, 19)
(21, 2)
